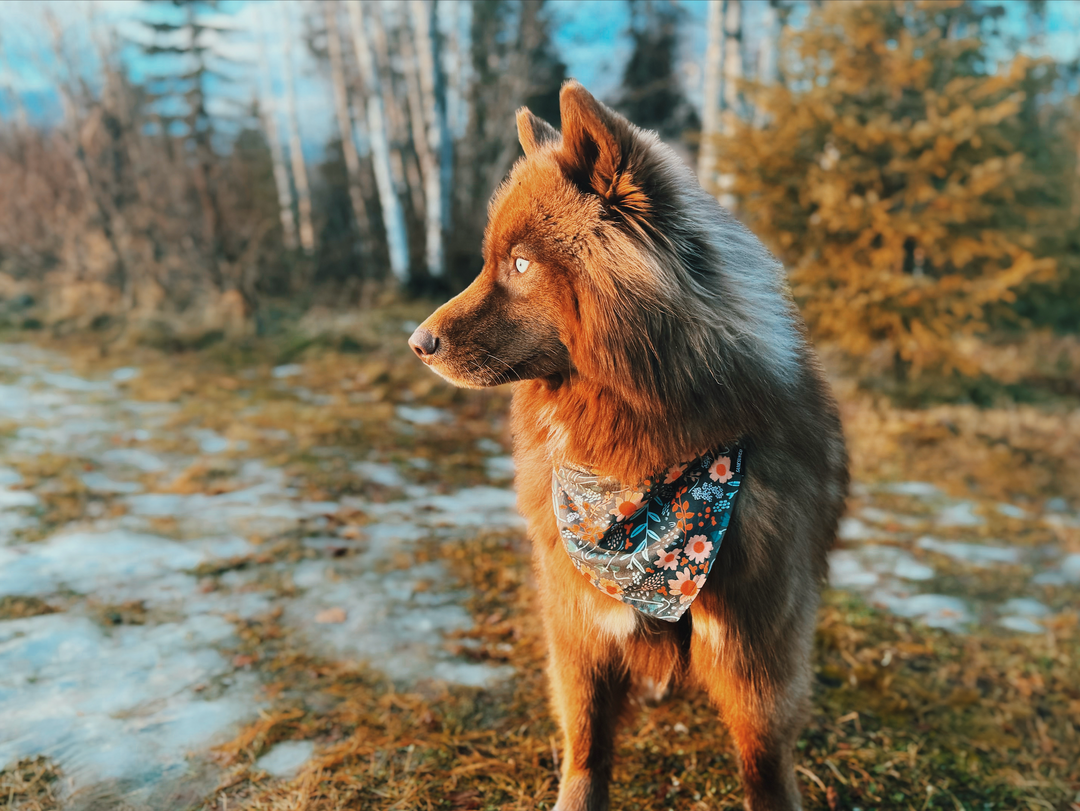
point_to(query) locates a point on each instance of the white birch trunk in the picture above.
(405, 174)
(455, 80)
(766, 57)
(296, 154)
(392, 213)
(345, 124)
(440, 145)
(733, 73)
(710, 109)
(277, 154)
(419, 113)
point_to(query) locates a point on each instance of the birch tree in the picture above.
(767, 53)
(439, 173)
(268, 112)
(393, 214)
(403, 160)
(296, 154)
(733, 74)
(344, 118)
(710, 114)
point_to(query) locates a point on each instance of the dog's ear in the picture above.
(596, 142)
(534, 132)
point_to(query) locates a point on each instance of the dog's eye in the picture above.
(521, 264)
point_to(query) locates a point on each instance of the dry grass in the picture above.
(30, 785)
(904, 717)
(14, 607)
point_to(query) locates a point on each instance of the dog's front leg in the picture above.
(589, 688)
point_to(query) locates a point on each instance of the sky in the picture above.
(589, 34)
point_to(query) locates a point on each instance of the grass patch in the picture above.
(30, 785)
(15, 607)
(904, 717)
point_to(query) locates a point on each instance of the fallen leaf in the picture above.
(330, 615)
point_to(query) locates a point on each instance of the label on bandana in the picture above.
(650, 546)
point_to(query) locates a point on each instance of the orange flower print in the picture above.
(674, 473)
(588, 574)
(698, 549)
(685, 586)
(682, 511)
(668, 560)
(611, 587)
(626, 507)
(720, 470)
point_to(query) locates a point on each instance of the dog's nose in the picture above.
(423, 343)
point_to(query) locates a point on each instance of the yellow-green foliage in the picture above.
(911, 186)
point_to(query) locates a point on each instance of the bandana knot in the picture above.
(651, 545)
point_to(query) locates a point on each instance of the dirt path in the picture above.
(136, 542)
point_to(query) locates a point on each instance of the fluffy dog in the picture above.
(644, 328)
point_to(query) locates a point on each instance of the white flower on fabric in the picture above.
(668, 560)
(698, 549)
(674, 473)
(720, 470)
(626, 506)
(685, 586)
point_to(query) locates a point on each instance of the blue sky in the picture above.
(590, 35)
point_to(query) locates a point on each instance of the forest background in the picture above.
(176, 173)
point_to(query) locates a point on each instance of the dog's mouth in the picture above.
(479, 369)
(471, 374)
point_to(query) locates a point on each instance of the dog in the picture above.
(644, 330)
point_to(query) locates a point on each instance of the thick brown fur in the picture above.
(648, 325)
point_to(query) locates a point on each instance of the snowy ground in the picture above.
(122, 707)
(131, 674)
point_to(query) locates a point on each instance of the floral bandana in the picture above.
(653, 545)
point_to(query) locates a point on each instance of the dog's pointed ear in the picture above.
(594, 155)
(534, 132)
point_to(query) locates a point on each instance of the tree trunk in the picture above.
(438, 180)
(733, 73)
(113, 224)
(296, 154)
(277, 154)
(392, 213)
(455, 85)
(419, 113)
(710, 113)
(405, 174)
(345, 125)
(766, 58)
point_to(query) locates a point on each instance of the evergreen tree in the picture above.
(185, 66)
(912, 187)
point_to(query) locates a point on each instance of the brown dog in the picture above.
(639, 324)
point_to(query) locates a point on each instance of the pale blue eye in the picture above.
(521, 264)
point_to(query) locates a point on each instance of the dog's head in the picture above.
(559, 243)
(605, 261)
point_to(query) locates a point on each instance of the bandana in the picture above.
(653, 545)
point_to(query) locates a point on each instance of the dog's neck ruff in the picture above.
(650, 546)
